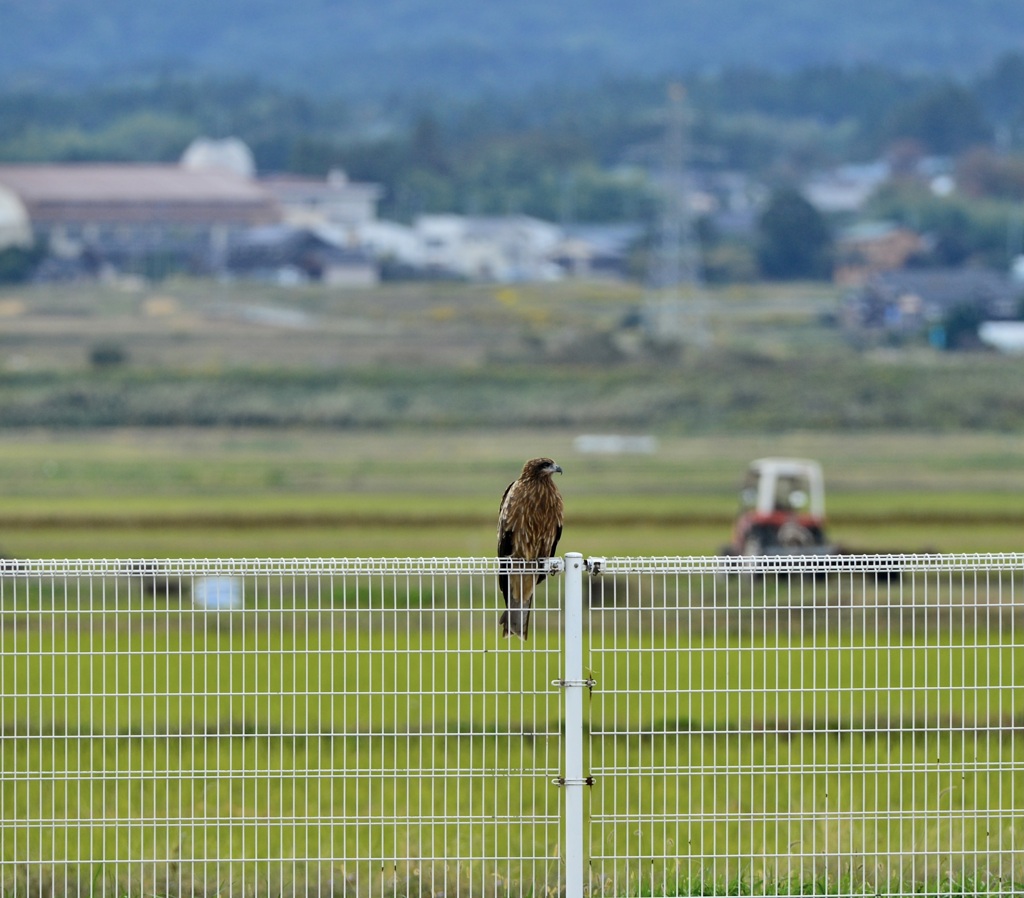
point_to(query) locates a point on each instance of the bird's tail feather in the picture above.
(516, 622)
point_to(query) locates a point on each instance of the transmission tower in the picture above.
(674, 313)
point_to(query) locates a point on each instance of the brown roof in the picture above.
(136, 193)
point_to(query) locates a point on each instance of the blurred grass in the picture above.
(388, 421)
(463, 356)
(185, 492)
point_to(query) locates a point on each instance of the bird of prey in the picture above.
(529, 527)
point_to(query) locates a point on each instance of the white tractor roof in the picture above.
(785, 465)
(770, 469)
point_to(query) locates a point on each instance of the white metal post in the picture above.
(574, 684)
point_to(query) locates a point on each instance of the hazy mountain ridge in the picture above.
(464, 46)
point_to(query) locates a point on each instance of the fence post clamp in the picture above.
(578, 781)
(586, 683)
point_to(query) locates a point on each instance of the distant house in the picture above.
(503, 249)
(916, 301)
(1005, 336)
(130, 217)
(395, 246)
(872, 247)
(512, 248)
(847, 188)
(598, 250)
(287, 255)
(336, 202)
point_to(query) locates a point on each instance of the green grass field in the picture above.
(232, 751)
(225, 739)
(224, 493)
(243, 743)
(276, 751)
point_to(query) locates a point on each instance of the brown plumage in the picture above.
(529, 527)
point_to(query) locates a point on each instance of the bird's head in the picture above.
(536, 468)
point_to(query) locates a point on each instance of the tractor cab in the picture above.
(782, 509)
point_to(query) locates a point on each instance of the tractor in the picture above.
(782, 510)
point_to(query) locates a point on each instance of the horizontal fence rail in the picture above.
(687, 725)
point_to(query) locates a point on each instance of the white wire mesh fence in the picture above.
(357, 726)
(845, 725)
(266, 726)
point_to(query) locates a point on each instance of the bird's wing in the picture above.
(506, 535)
(554, 544)
(506, 540)
(504, 496)
(550, 553)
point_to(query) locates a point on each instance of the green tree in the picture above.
(1000, 89)
(17, 264)
(959, 228)
(945, 120)
(426, 147)
(960, 326)
(793, 238)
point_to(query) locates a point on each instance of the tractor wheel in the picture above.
(753, 545)
(795, 536)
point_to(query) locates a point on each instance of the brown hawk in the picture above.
(529, 527)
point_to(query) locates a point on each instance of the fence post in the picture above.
(574, 684)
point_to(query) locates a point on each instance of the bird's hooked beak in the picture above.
(555, 469)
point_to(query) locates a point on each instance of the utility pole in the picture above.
(675, 259)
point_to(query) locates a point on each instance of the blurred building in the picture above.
(335, 202)
(211, 214)
(15, 226)
(193, 217)
(506, 248)
(134, 217)
(923, 302)
(868, 248)
(846, 188)
(288, 255)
